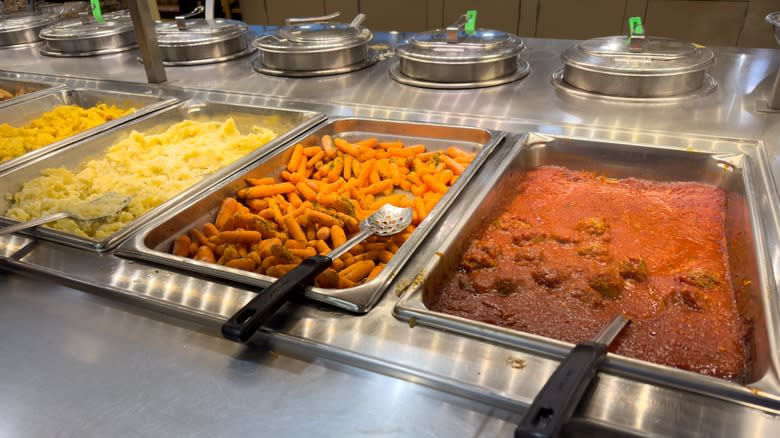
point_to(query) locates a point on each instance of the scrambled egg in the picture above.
(150, 168)
(64, 121)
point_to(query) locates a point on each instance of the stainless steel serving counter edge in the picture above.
(491, 374)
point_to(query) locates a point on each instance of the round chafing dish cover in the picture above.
(75, 36)
(482, 56)
(314, 46)
(23, 27)
(201, 41)
(639, 67)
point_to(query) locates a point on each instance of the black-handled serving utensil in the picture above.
(555, 403)
(386, 221)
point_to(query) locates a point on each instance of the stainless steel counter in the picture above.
(81, 364)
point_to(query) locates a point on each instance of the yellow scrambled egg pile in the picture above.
(64, 121)
(150, 168)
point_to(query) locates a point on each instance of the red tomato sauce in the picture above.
(574, 249)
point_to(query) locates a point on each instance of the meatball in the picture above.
(595, 226)
(593, 250)
(528, 256)
(700, 278)
(505, 286)
(547, 277)
(633, 268)
(483, 254)
(687, 297)
(608, 283)
(528, 237)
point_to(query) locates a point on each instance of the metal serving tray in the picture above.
(286, 123)
(155, 241)
(31, 89)
(23, 112)
(731, 170)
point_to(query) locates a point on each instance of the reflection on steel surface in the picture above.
(447, 361)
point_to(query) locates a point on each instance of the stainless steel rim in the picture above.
(205, 61)
(22, 45)
(710, 84)
(523, 69)
(58, 54)
(370, 60)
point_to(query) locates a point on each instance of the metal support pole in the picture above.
(774, 98)
(147, 41)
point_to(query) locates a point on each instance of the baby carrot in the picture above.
(247, 237)
(226, 210)
(242, 263)
(337, 235)
(451, 164)
(357, 271)
(259, 181)
(294, 229)
(295, 159)
(181, 247)
(205, 254)
(328, 147)
(263, 191)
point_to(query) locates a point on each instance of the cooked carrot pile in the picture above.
(318, 202)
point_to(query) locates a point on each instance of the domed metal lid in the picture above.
(773, 18)
(86, 27)
(460, 44)
(194, 32)
(25, 20)
(638, 54)
(313, 34)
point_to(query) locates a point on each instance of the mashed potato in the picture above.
(150, 168)
(64, 121)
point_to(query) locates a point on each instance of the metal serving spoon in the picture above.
(386, 221)
(105, 205)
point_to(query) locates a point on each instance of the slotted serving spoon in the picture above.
(386, 221)
(105, 205)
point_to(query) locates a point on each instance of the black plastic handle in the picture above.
(555, 403)
(246, 321)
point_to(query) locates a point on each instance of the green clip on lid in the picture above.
(471, 22)
(96, 12)
(635, 27)
(636, 35)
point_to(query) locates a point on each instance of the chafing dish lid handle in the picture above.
(292, 21)
(555, 403)
(181, 20)
(467, 22)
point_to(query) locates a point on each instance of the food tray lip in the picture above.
(410, 306)
(112, 241)
(163, 102)
(357, 299)
(46, 88)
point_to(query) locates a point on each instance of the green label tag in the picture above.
(471, 22)
(635, 26)
(96, 12)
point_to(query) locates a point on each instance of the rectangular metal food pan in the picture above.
(30, 89)
(731, 170)
(155, 241)
(285, 123)
(22, 113)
